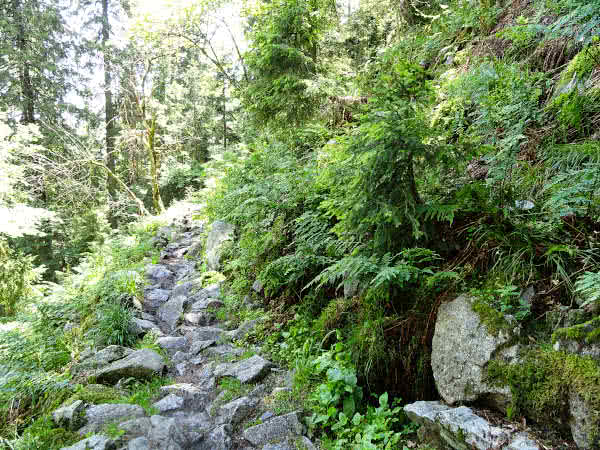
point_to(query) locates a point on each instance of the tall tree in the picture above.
(35, 74)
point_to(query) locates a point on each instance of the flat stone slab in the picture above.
(172, 343)
(198, 346)
(99, 415)
(143, 363)
(101, 358)
(204, 334)
(443, 425)
(170, 403)
(95, 442)
(223, 350)
(276, 429)
(248, 370)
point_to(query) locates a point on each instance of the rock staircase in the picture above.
(194, 412)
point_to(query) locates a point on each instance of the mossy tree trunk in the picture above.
(154, 156)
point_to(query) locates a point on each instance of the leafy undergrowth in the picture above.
(91, 307)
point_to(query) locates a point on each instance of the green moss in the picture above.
(582, 65)
(493, 319)
(541, 383)
(43, 433)
(588, 332)
(94, 394)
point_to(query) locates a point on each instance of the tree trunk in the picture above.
(27, 91)
(224, 119)
(108, 103)
(154, 156)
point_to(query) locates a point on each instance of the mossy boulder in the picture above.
(556, 389)
(463, 346)
(582, 339)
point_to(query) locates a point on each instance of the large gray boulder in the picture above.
(141, 327)
(143, 363)
(460, 428)
(97, 416)
(193, 397)
(462, 347)
(220, 232)
(275, 429)
(95, 442)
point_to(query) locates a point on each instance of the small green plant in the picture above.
(588, 287)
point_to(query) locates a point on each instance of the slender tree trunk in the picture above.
(224, 119)
(155, 162)
(108, 103)
(27, 91)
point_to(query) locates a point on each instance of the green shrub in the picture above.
(16, 278)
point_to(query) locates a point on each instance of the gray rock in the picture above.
(195, 250)
(172, 311)
(141, 326)
(95, 360)
(180, 356)
(95, 442)
(198, 346)
(578, 348)
(278, 428)
(157, 272)
(70, 417)
(243, 329)
(143, 363)
(153, 299)
(461, 349)
(266, 416)
(522, 441)
(223, 350)
(218, 439)
(204, 334)
(528, 294)
(258, 287)
(524, 205)
(444, 426)
(181, 368)
(182, 289)
(165, 434)
(237, 410)
(170, 403)
(193, 396)
(220, 232)
(260, 390)
(139, 443)
(249, 370)
(279, 446)
(199, 318)
(98, 415)
(207, 303)
(307, 443)
(583, 422)
(172, 343)
(136, 427)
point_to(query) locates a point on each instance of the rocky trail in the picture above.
(194, 412)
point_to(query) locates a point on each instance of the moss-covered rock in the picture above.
(468, 336)
(557, 389)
